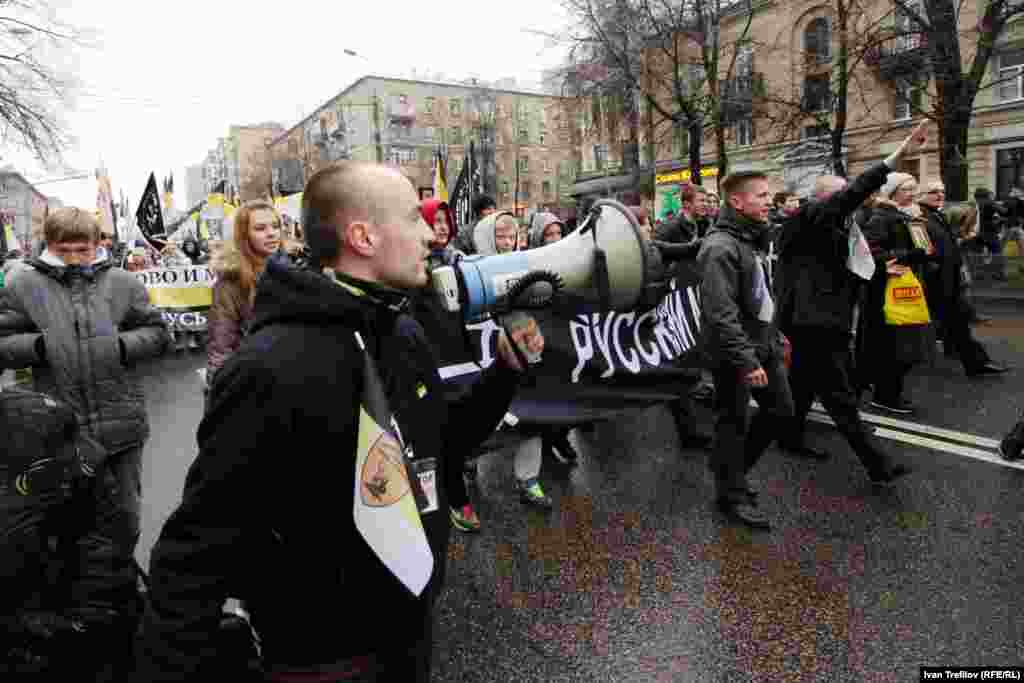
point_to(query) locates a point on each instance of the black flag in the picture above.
(461, 200)
(149, 216)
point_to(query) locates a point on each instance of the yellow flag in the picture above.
(440, 186)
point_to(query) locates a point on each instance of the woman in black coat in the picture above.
(889, 352)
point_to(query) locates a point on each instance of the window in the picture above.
(545, 187)
(815, 131)
(817, 96)
(906, 100)
(546, 165)
(908, 31)
(600, 156)
(524, 135)
(1011, 69)
(504, 187)
(455, 136)
(818, 41)
(541, 137)
(744, 68)
(428, 105)
(744, 132)
(455, 106)
(524, 165)
(1009, 170)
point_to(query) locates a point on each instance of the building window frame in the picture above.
(428, 105)
(1012, 74)
(743, 132)
(906, 99)
(455, 106)
(825, 104)
(818, 41)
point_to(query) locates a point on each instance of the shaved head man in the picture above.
(322, 457)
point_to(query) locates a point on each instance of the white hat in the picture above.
(895, 181)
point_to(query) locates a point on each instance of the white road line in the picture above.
(933, 444)
(949, 434)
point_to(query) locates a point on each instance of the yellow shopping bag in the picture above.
(904, 301)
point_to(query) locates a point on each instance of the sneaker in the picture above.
(531, 493)
(465, 520)
(899, 407)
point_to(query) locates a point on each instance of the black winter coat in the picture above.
(679, 230)
(942, 277)
(267, 511)
(888, 235)
(815, 287)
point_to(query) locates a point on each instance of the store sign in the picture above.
(683, 175)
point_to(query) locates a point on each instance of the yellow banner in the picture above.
(178, 288)
(683, 175)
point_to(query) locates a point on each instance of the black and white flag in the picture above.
(149, 216)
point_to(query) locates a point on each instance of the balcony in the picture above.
(899, 57)
(737, 96)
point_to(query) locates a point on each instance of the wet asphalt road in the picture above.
(633, 577)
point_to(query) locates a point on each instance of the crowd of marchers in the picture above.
(797, 303)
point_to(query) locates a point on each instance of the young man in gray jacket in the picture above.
(745, 346)
(82, 325)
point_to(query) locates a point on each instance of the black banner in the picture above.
(461, 197)
(149, 216)
(595, 365)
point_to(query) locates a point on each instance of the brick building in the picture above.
(789, 63)
(241, 160)
(402, 122)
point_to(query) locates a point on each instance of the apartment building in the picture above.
(782, 90)
(241, 161)
(523, 139)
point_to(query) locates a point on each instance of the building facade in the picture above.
(779, 103)
(23, 207)
(195, 188)
(523, 139)
(240, 160)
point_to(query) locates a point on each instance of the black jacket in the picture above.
(815, 287)
(942, 279)
(678, 230)
(735, 295)
(267, 511)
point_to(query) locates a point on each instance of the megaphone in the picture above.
(602, 262)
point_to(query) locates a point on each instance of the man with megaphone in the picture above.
(318, 485)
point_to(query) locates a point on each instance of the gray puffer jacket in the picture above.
(94, 326)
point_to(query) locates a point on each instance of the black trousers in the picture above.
(822, 363)
(956, 331)
(740, 440)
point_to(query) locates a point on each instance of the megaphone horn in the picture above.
(603, 262)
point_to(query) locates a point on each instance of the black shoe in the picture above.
(745, 512)
(1009, 451)
(890, 475)
(987, 369)
(698, 441)
(802, 451)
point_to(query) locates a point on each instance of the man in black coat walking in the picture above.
(822, 273)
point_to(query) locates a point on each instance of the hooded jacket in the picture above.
(483, 234)
(678, 230)
(266, 514)
(93, 326)
(737, 309)
(538, 223)
(440, 254)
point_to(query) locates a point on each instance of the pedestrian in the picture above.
(991, 216)
(190, 247)
(84, 326)
(824, 267)
(269, 508)
(686, 226)
(944, 285)
(497, 233)
(237, 266)
(438, 216)
(743, 342)
(483, 206)
(898, 239)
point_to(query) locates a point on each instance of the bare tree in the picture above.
(34, 90)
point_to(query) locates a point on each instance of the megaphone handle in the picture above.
(601, 276)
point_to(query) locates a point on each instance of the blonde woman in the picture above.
(237, 266)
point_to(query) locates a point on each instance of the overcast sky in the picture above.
(168, 79)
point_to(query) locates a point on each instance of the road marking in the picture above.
(971, 439)
(934, 444)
